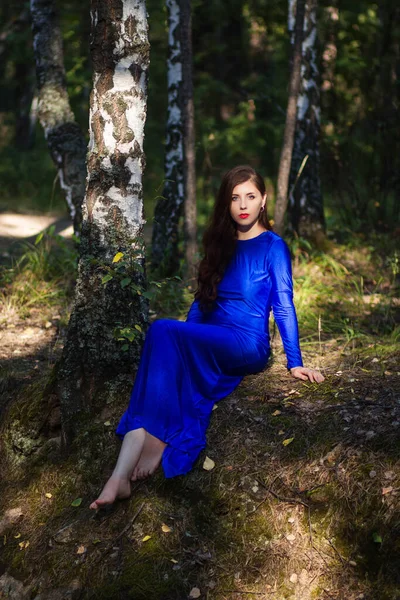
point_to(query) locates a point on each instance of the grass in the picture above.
(315, 518)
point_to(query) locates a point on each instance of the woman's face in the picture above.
(246, 205)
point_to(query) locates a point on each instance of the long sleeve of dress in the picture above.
(195, 315)
(280, 270)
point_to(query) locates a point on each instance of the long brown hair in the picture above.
(219, 239)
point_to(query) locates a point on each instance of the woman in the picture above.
(187, 366)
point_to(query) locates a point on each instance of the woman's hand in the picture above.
(305, 373)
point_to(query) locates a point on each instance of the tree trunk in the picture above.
(305, 203)
(190, 209)
(169, 207)
(108, 315)
(64, 137)
(290, 124)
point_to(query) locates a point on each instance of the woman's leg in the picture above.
(118, 486)
(150, 458)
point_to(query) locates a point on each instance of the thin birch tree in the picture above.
(290, 123)
(109, 309)
(169, 206)
(305, 202)
(190, 208)
(65, 139)
(179, 191)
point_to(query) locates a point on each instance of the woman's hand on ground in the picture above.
(305, 373)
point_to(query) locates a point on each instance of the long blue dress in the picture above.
(186, 367)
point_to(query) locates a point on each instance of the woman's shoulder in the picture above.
(273, 240)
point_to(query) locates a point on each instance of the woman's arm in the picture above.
(280, 269)
(195, 315)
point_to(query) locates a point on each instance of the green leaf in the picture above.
(377, 538)
(118, 257)
(39, 238)
(148, 295)
(106, 278)
(76, 502)
(138, 328)
(125, 347)
(126, 281)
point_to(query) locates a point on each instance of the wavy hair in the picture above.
(220, 237)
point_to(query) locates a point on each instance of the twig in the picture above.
(131, 522)
(240, 592)
(282, 498)
(119, 536)
(309, 525)
(343, 560)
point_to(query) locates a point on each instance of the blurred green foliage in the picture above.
(241, 62)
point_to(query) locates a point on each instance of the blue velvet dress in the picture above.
(186, 367)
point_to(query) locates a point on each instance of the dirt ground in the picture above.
(302, 501)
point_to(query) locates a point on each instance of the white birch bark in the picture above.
(169, 207)
(306, 203)
(64, 137)
(112, 212)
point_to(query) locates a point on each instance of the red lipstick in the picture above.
(243, 216)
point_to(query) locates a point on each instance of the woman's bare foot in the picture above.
(150, 458)
(116, 487)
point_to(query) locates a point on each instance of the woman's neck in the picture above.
(243, 234)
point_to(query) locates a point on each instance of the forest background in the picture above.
(323, 522)
(241, 73)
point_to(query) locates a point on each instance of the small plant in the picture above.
(124, 270)
(43, 274)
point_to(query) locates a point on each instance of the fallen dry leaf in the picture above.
(165, 528)
(194, 593)
(23, 545)
(146, 538)
(276, 413)
(208, 465)
(387, 490)
(81, 550)
(288, 441)
(48, 495)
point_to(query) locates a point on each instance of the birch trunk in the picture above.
(190, 208)
(305, 203)
(65, 140)
(112, 215)
(169, 207)
(297, 8)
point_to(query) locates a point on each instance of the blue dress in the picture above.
(186, 367)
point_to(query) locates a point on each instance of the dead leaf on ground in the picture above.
(194, 593)
(146, 538)
(208, 465)
(288, 441)
(81, 550)
(387, 490)
(165, 528)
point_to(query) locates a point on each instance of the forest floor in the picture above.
(301, 499)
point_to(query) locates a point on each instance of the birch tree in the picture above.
(290, 123)
(65, 140)
(305, 202)
(190, 208)
(109, 309)
(169, 206)
(179, 191)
